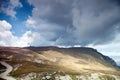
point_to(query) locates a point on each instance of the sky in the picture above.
(63, 23)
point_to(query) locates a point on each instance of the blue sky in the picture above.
(86, 23)
(22, 13)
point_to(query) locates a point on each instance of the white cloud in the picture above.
(118, 61)
(28, 38)
(8, 39)
(5, 33)
(4, 26)
(30, 22)
(24, 40)
(10, 9)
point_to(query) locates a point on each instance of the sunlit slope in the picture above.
(76, 58)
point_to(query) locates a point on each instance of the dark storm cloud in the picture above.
(77, 21)
(53, 11)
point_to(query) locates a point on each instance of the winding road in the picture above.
(5, 75)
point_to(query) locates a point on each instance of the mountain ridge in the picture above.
(73, 60)
(78, 49)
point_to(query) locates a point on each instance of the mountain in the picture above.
(47, 63)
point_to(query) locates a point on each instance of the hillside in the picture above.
(74, 61)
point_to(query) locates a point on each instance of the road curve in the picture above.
(5, 75)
